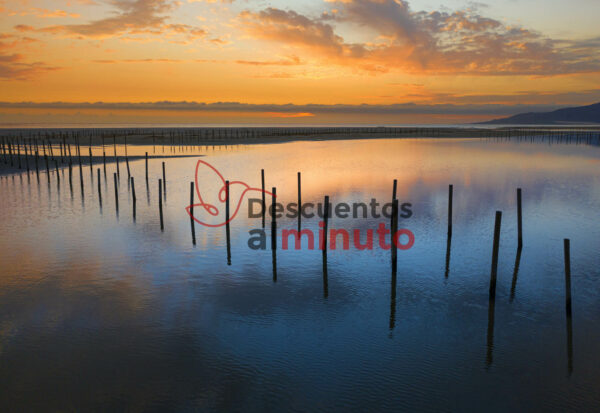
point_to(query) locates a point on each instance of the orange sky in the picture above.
(478, 60)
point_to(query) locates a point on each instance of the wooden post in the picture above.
(116, 193)
(567, 247)
(134, 198)
(519, 218)
(264, 205)
(160, 208)
(57, 173)
(273, 220)
(146, 166)
(450, 194)
(299, 203)
(325, 222)
(71, 175)
(192, 223)
(99, 189)
(47, 167)
(91, 162)
(127, 163)
(37, 167)
(164, 181)
(227, 230)
(81, 177)
(494, 271)
(394, 228)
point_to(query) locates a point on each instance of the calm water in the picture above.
(98, 312)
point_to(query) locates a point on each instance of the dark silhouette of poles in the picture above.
(37, 167)
(273, 232)
(299, 203)
(394, 229)
(104, 162)
(57, 173)
(99, 189)
(494, 271)
(227, 229)
(449, 233)
(116, 193)
(324, 246)
(450, 195)
(146, 166)
(567, 248)
(134, 198)
(164, 181)
(71, 176)
(192, 223)
(395, 187)
(519, 218)
(160, 206)
(273, 220)
(91, 162)
(47, 167)
(264, 204)
(81, 177)
(513, 286)
(127, 163)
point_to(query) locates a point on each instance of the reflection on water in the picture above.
(100, 311)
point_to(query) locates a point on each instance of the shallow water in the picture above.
(101, 312)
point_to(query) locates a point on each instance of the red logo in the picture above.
(221, 195)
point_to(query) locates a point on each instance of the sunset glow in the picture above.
(409, 61)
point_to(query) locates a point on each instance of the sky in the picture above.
(310, 62)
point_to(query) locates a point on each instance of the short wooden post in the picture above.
(394, 228)
(450, 195)
(134, 197)
(99, 189)
(164, 181)
(71, 175)
(160, 206)
(47, 167)
(192, 223)
(273, 219)
(519, 218)
(57, 173)
(567, 248)
(116, 193)
(299, 203)
(227, 229)
(91, 162)
(264, 205)
(127, 163)
(37, 167)
(325, 222)
(146, 166)
(494, 271)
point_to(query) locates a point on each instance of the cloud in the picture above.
(13, 65)
(289, 61)
(130, 18)
(437, 43)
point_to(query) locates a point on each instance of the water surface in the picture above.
(101, 312)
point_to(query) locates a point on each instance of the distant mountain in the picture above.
(580, 114)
